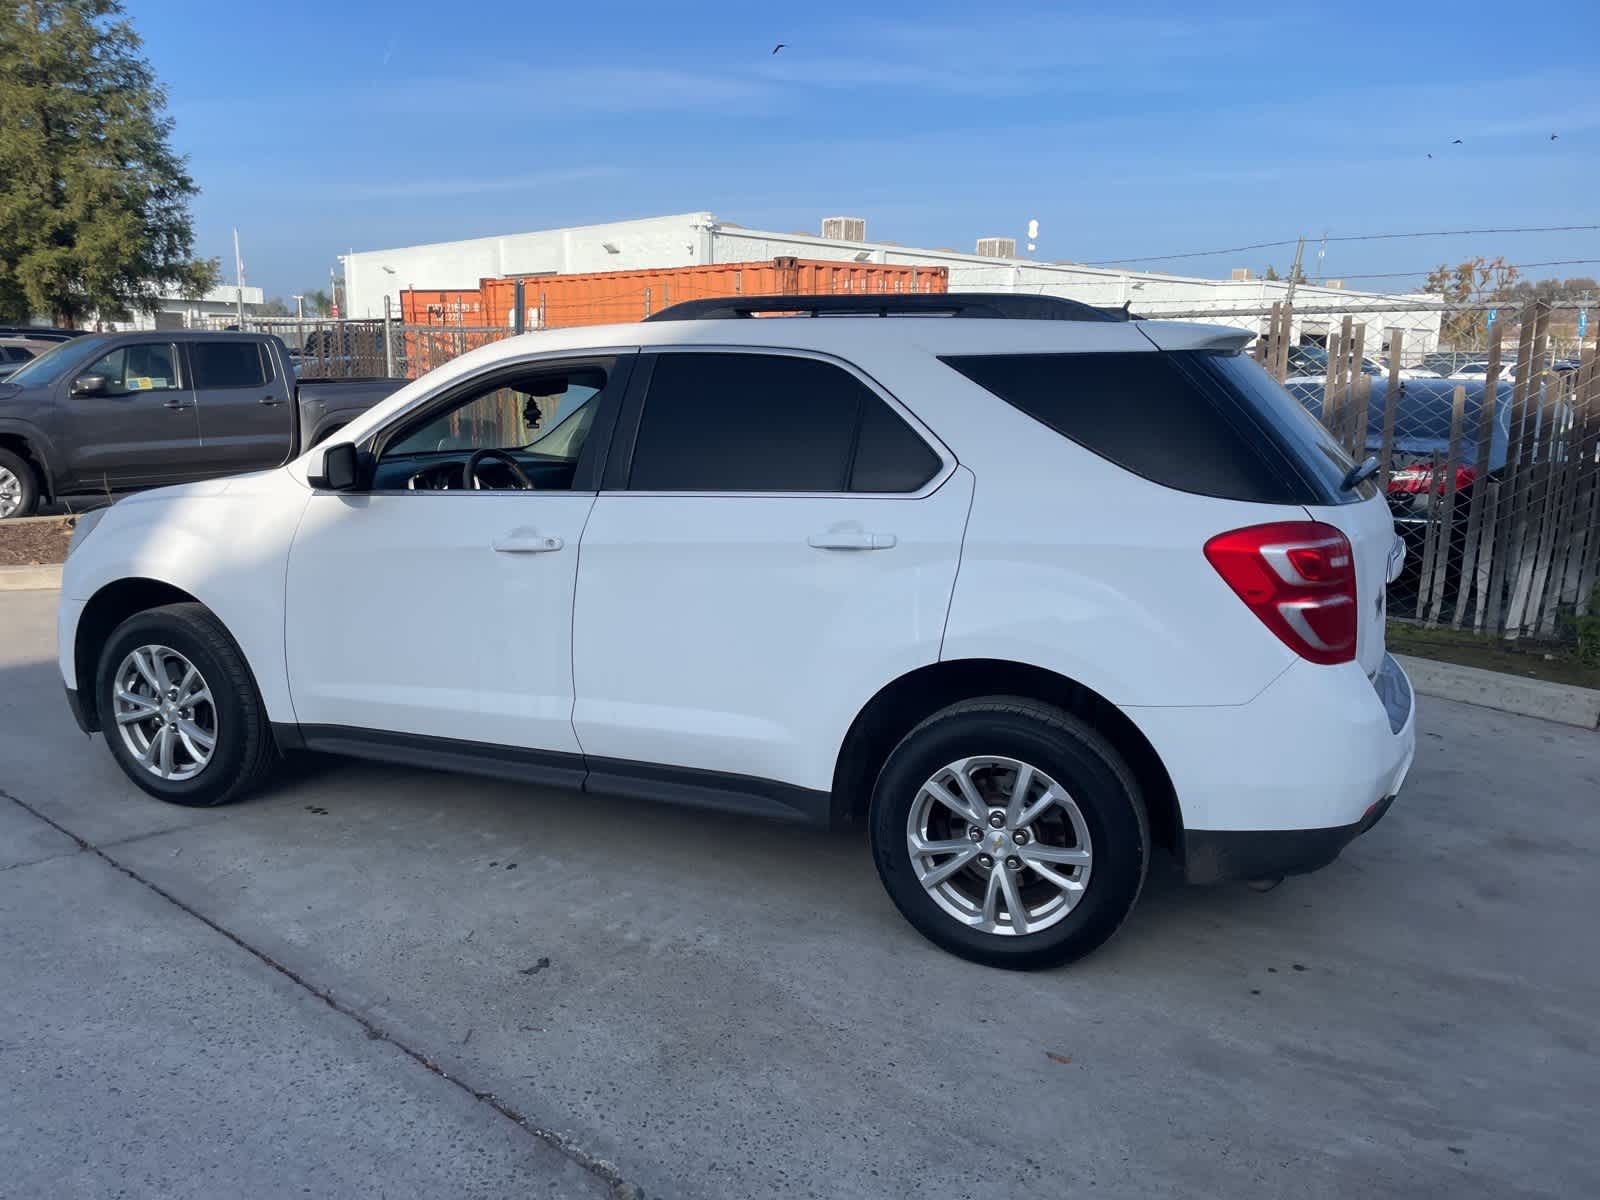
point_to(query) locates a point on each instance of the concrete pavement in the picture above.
(725, 1008)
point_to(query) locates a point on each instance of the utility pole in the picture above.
(238, 275)
(300, 307)
(1294, 269)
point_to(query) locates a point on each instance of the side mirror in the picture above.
(89, 385)
(339, 470)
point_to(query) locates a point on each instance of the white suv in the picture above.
(1024, 586)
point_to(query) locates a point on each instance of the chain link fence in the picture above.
(1488, 451)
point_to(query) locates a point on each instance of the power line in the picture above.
(1558, 262)
(1353, 237)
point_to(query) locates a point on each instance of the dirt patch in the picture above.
(35, 541)
(1551, 662)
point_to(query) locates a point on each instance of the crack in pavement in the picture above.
(620, 1188)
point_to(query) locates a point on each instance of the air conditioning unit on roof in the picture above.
(997, 247)
(844, 229)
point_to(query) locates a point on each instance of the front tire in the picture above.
(180, 709)
(1010, 833)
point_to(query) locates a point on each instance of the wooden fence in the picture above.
(1495, 485)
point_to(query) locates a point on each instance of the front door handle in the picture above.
(272, 401)
(176, 404)
(841, 539)
(527, 541)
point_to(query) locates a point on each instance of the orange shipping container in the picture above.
(607, 297)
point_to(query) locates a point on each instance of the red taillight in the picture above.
(1412, 480)
(1299, 577)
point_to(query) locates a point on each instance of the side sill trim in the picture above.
(688, 786)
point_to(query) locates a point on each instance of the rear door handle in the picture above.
(271, 401)
(527, 541)
(850, 540)
(176, 404)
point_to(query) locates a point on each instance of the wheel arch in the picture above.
(903, 704)
(106, 609)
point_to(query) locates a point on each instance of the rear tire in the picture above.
(19, 486)
(1073, 870)
(171, 679)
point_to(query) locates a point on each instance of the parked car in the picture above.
(1478, 371)
(115, 412)
(1310, 363)
(1027, 591)
(13, 353)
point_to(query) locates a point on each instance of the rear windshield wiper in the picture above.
(1359, 474)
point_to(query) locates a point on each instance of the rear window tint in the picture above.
(228, 364)
(1165, 416)
(889, 456)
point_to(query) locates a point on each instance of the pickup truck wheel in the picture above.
(180, 710)
(19, 487)
(1010, 833)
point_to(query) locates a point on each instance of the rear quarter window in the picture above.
(1177, 419)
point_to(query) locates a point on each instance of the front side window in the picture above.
(531, 430)
(770, 423)
(141, 367)
(229, 364)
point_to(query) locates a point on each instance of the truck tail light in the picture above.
(1421, 478)
(1299, 578)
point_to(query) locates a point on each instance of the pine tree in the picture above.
(94, 202)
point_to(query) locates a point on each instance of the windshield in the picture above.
(53, 364)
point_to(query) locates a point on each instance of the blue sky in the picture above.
(1125, 131)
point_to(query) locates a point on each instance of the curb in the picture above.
(1560, 702)
(30, 579)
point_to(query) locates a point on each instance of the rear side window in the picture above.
(770, 423)
(1170, 417)
(229, 364)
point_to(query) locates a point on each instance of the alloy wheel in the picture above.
(165, 713)
(999, 845)
(10, 493)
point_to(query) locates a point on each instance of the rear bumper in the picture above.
(1281, 785)
(1210, 855)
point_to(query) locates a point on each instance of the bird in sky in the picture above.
(1430, 156)
(1553, 136)
(1457, 142)
(779, 46)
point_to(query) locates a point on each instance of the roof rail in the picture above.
(1001, 306)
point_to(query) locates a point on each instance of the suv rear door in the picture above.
(773, 540)
(246, 406)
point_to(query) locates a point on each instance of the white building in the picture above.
(217, 308)
(689, 239)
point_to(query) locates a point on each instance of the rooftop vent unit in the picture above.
(844, 229)
(1239, 274)
(997, 247)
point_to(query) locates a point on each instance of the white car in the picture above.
(1024, 587)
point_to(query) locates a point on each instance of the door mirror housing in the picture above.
(339, 470)
(89, 385)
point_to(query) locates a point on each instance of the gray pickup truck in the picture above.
(116, 412)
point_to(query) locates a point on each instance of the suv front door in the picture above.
(434, 609)
(773, 543)
(136, 427)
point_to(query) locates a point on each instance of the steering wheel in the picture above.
(469, 471)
